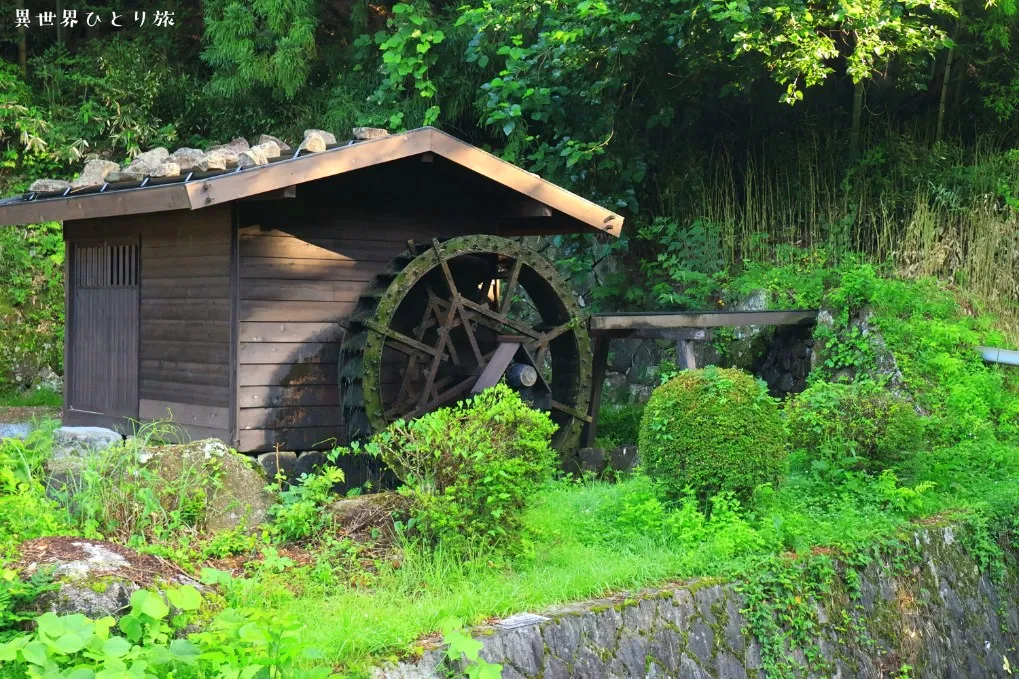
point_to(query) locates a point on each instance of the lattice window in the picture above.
(106, 266)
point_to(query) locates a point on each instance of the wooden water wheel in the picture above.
(451, 318)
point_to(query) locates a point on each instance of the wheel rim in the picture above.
(421, 336)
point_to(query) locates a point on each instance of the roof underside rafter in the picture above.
(195, 191)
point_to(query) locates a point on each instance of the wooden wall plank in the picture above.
(198, 265)
(323, 249)
(186, 372)
(194, 394)
(304, 269)
(160, 251)
(175, 432)
(290, 332)
(298, 312)
(188, 352)
(210, 287)
(300, 290)
(186, 309)
(159, 330)
(276, 396)
(287, 352)
(289, 417)
(185, 413)
(301, 438)
(287, 374)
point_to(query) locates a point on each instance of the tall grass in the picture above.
(947, 211)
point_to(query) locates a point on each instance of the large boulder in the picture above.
(238, 499)
(70, 443)
(368, 133)
(144, 164)
(92, 577)
(15, 430)
(327, 137)
(313, 142)
(234, 145)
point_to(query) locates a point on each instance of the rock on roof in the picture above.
(160, 164)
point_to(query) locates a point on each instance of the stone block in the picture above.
(623, 458)
(283, 463)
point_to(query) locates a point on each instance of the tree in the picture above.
(267, 44)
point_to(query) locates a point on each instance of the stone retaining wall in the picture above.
(928, 607)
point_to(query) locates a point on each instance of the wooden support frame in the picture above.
(684, 328)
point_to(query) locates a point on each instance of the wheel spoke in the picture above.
(440, 349)
(511, 286)
(404, 344)
(570, 410)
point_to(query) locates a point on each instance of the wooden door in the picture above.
(102, 327)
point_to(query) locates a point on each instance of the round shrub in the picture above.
(857, 426)
(712, 430)
(469, 469)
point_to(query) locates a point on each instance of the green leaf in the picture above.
(184, 650)
(150, 604)
(50, 625)
(132, 627)
(35, 653)
(116, 647)
(186, 598)
(69, 644)
(81, 673)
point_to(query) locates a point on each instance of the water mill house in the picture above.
(265, 295)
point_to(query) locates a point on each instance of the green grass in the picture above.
(31, 398)
(591, 539)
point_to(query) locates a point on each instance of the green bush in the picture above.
(852, 426)
(712, 430)
(469, 469)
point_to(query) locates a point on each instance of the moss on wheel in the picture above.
(712, 430)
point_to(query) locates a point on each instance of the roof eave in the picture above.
(224, 188)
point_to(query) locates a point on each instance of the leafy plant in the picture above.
(852, 426)
(712, 430)
(689, 264)
(300, 513)
(464, 652)
(469, 469)
(146, 642)
(15, 595)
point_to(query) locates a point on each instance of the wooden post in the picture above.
(685, 358)
(601, 359)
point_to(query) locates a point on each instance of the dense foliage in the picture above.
(852, 426)
(900, 142)
(469, 469)
(712, 431)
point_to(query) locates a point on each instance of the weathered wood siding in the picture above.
(296, 286)
(185, 315)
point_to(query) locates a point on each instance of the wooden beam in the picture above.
(285, 192)
(660, 324)
(601, 359)
(495, 367)
(93, 205)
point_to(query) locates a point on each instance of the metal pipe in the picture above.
(1002, 356)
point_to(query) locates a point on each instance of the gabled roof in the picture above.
(194, 191)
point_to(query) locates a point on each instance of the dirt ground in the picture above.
(14, 414)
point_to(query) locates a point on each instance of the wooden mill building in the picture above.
(221, 298)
